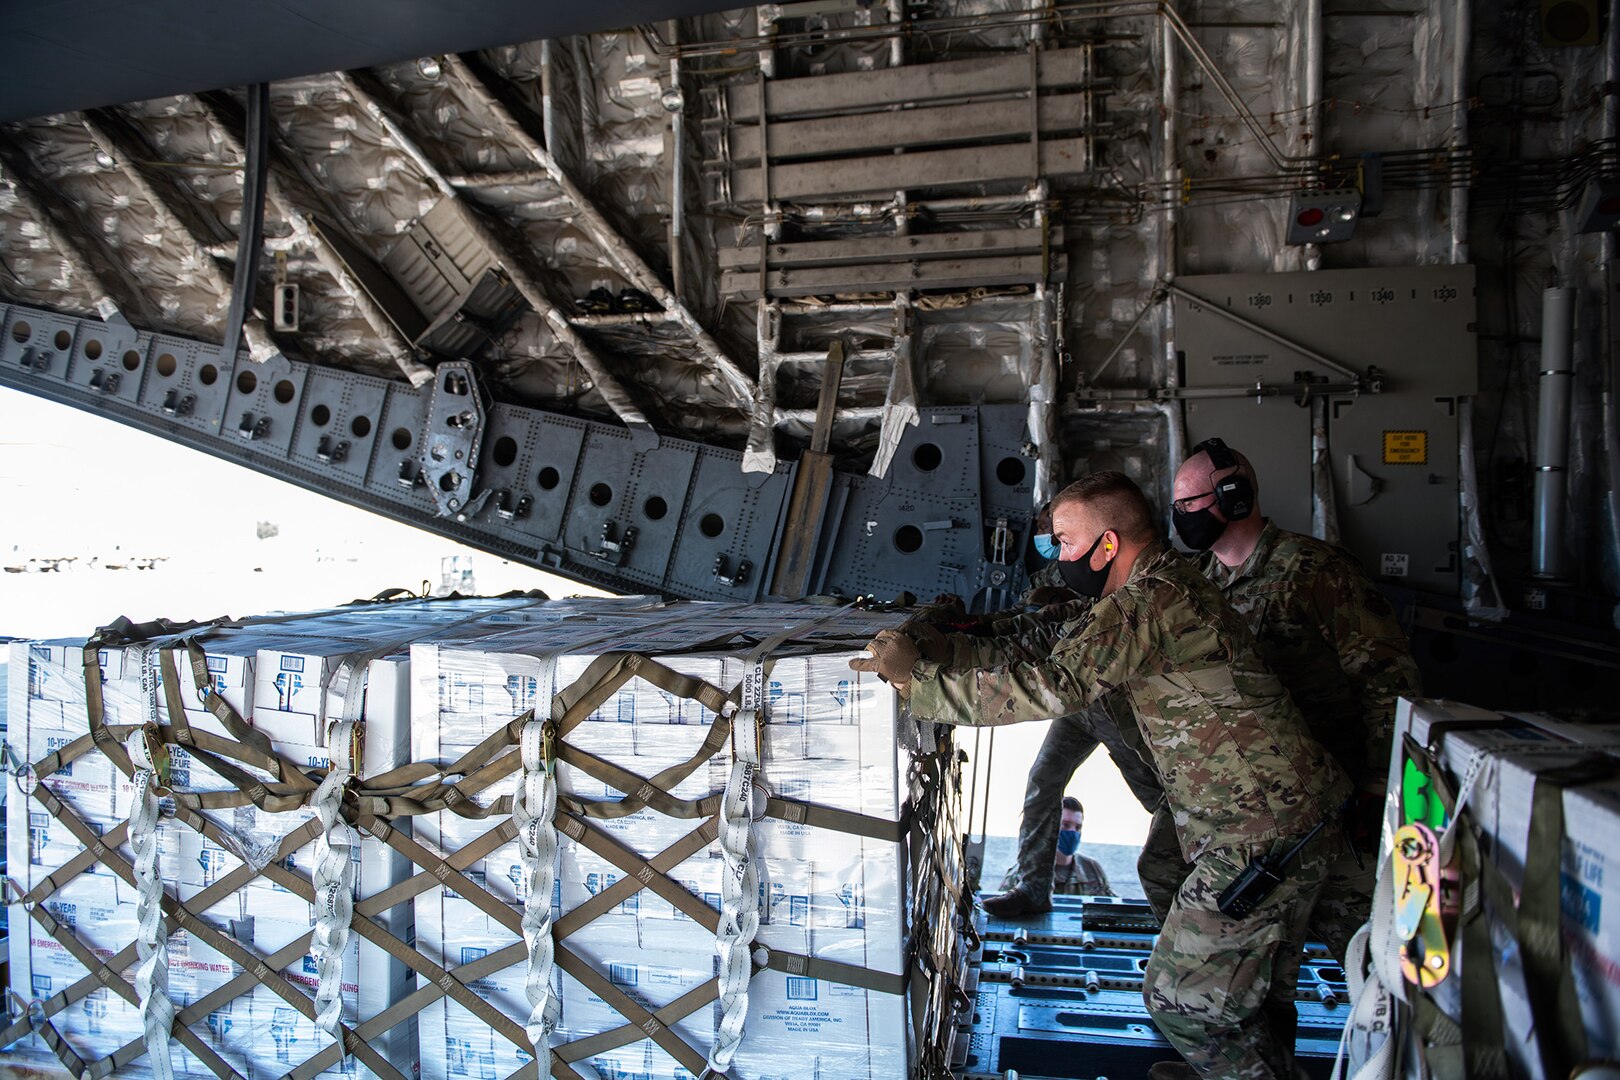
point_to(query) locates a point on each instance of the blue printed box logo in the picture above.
(800, 988)
(786, 708)
(292, 663)
(1582, 906)
(287, 684)
(624, 974)
(524, 689)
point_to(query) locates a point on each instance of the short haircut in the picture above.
(1114, 498)
(1072, 803)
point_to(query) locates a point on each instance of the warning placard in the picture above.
(1406, 448)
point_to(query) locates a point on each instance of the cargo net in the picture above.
(662, 841)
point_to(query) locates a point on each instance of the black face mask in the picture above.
(1198, 529)
(1079, 576)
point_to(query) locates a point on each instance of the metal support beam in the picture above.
(675, 104)
(605, 382)
(953, 273)
(1270, 335)
(625, 259)
(255, 172)
(553, 491)
(760, 456)
(811, 487)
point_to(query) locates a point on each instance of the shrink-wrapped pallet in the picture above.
(242, 873)
(750, 857)
(647, 705)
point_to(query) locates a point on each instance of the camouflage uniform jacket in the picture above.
(1047, 577)
(1237, 764)
(1084, 876)
(1332, 639)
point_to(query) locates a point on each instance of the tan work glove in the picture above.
(931, 643)
(892, 657)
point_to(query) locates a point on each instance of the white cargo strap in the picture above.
(534, 813)
(151, 939)
(1369, 1041)
(739, 886)
(334, 878)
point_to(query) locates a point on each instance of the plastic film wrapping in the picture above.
(982, 354)
(282, 677)
(449, 122)
(828, 740)
(628, 170)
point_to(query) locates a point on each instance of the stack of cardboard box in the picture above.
(441, 677)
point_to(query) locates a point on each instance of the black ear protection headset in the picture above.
(1233, 494)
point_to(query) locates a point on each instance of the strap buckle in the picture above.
(1425, 952)
(158, 751)
(548, 745)
(357, 745)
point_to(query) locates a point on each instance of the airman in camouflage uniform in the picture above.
(1333, 640)
(1242, 777)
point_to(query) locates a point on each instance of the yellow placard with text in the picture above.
(1406, 448)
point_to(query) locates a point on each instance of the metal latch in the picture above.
(731, 580)
(175, 405)
(615, 548)
(510, 510)
(331, 452)
(251, 429)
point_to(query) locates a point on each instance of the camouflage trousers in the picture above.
(1222, 989)
(1344, 905)
(1161, 868)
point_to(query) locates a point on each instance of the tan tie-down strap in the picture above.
(403, 793)
(449, 872)
(492, 760)
(255, 967)
(289, 791)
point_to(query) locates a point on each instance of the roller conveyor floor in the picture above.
(1059, 996)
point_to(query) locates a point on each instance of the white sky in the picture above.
(73, 485)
